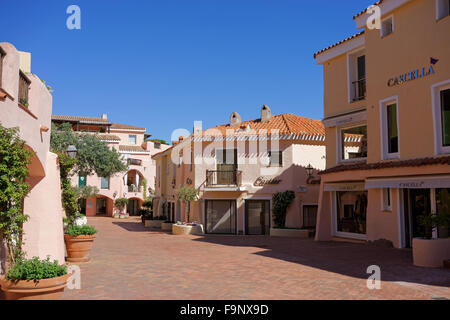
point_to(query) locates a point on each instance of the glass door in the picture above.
(226, 166)
(220, 216)
(257, 217)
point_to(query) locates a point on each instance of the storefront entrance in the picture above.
(220, 216)
(101, 206)
(133, 207)
(257, 217)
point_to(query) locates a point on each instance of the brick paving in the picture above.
(129, 261)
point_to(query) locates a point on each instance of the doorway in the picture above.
(133, 207)
(257, 217)
(226, 166)
(101, 206)
(417, 203)
(220, 217)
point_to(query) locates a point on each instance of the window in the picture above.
(387, 26)
(81, 181)
(445, 117)
(104, 183)
(386, 198)
(351, 212)
(24, 84)
(389, 128)
(309, 216)
(132, 139)
(442, 9)
(275, 158)
(354, 143)
(157, 144)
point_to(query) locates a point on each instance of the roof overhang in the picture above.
(346, 118)
(385, 6)
(341, 49)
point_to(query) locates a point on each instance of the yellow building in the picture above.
(387, 124)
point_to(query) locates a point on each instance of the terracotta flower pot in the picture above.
(45, 289)
(78, 247)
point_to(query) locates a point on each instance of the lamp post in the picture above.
(72, 151)
(309, 170)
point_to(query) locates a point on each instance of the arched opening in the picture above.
(36, 171)
(133, 181)
(99, 206)
(134, 205)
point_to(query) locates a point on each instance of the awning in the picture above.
(419, 182)
(347, 186)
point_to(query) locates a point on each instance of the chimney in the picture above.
(104, 116)
(197, 127)
(235, 119)
(25, 61)
(266, 114)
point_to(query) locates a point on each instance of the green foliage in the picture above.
(93, 155)
(74, 230)
(68, 193)
(35, 269)
(429, 221)
(86, 192)
(280, 204)
(144, 186)
(160, 141)
(186, 194)
(121, 203)
(148, 204)
(14, 158)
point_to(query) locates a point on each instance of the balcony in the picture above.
(359, 90)
(216, 178)
(135, 189)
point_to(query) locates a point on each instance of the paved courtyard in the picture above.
(129, 261)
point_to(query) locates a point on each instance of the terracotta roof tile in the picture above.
(132, 149)
(389, 164)
(125, 126)
(164, 151)
(108, 137)
(339, 43)
(286, 123)
(80, 119)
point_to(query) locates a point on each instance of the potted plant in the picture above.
(24, 278)
(79, 240)
(121, 203)
(429, 251)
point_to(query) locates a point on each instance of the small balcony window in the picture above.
(442, 9)
(104, 183)
(354, 143)
(132, 139)
(24, 85)
(387, 26)
(356, 76)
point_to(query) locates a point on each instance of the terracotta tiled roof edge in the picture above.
(339, 43)
(56, 117)
(120, 126)
(389, 164)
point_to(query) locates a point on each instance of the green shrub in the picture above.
(121, 203)
(74, 230)
(281, 202)
(35, 269)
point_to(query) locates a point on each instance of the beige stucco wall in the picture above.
(44, 230)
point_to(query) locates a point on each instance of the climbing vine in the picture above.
(14, 159)
(280, 204)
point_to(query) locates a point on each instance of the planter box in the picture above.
(45, 289)
(124, 216)
(166, 226)
(291, 233)
(153, 223)
(183, 230)
(430, 252)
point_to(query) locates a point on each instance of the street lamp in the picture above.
(72, 151)
(309, 170)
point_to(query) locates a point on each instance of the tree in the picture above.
(121, 203)
(14, 159)
(93, 155)
(186, 194)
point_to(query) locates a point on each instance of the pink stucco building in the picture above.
(133, 144)
(25, 102)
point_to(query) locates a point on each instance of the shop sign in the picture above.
(413, 75)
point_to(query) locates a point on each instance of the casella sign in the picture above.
(413, 75)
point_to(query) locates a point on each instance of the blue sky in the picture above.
(163, 64)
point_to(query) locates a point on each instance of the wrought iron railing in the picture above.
(359, 89)
(223, 178)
